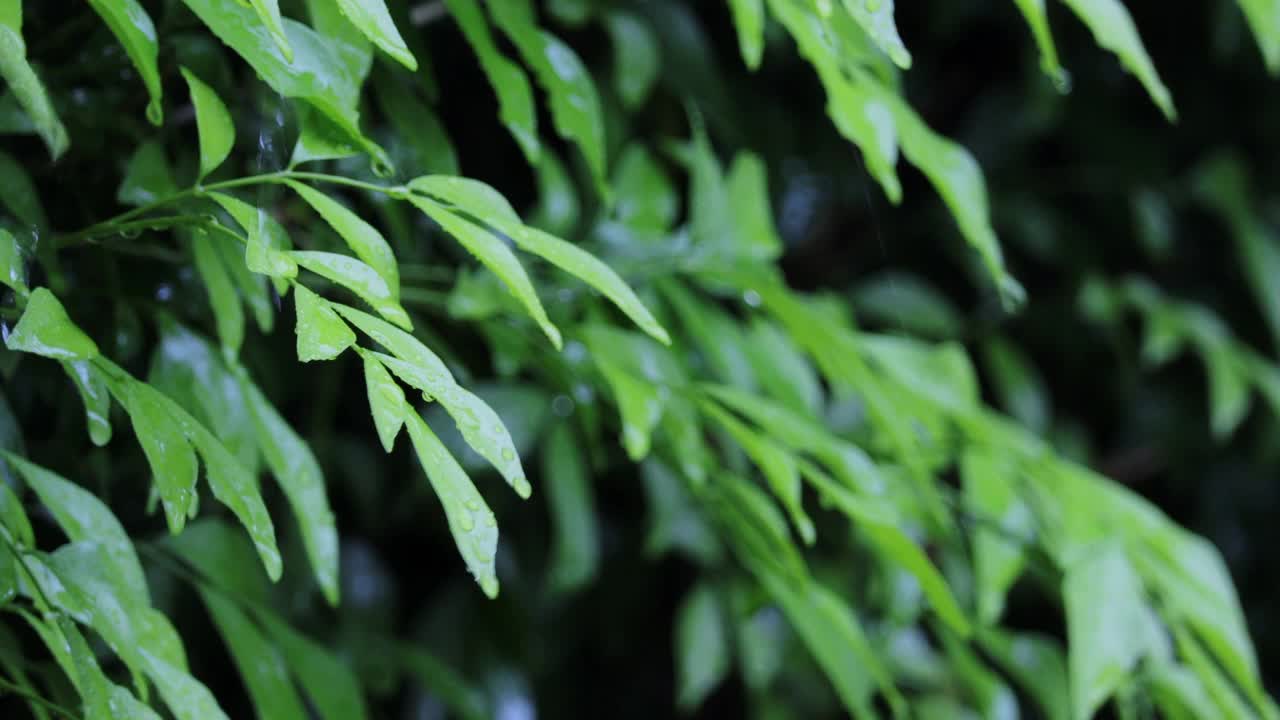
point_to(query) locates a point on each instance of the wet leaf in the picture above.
(322, 335)
(45, 330)
(1105, 639)
(876, 19)
(147, 177)
(260, 664)
(24, 83)
(386, 400)
(266, 242)
(213, 122)
(748, 19)
(363, 239)
(702, 647)
(1113, 29)
(575, 552)
(372, 19)
(636, 57)
(170, 455)
(357, 277)
(228, 314)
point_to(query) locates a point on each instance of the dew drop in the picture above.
(473, 505)
(490, 520)
(508, 454)
(130, 233)
(399, 192)
(465, 521)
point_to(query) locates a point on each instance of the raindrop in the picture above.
(562, 406)
(164, 293)
(473, 505)
(466, 522)
(490, 520)
(130, 233)
(508, 454)
(751, 297)
(399, 192)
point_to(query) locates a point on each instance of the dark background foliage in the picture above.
(1063, 172)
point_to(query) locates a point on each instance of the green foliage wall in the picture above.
(269, 334)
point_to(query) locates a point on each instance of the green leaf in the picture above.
(427, 147)
(315, 73)
(132, 26)
(386, 399)
(414, 363)
(876, 19)
(776, 464)
(13, 270)
(591, 270)
(637, 57)
(320, 138)
(1105, 639)
(45, 330)
(83, 517)
(443, 682)
(748, 19)
(701, 647)
(224, 556)
(474, 529)
(958, 179)
(93, 686)
(171, 457)
(495, 255)
(1113, 29)
(558, 208)
(321, 333)
(1036, 663)
(515, 96)
(372, 18)
(251, 286)
(1018, 384)
(784, 373)
(357, 277)
(12, 517)
(185, 696)
(96, 397)
(1034, 12)
(228, 315)
(266, 242)
(748, 188)
(259, 663)
(575, 106)
(640, 403)
(989, 493)
(330, 21)
(329, 684)
(906, 302)
(269, 12)
(24, 84)
(213, 123)
(1179, 693)
(147, 178)
(20, 197)
(298, 473)
(575, 548)
(363, 239)
(643, 194)
(1264, 18)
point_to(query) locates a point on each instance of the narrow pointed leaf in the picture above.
(640, 404)
(13, 270)
(515, 96)
(1038, 20)
(637, 57)
(386, 400)
(213, 123)
(876, 19)
(1114, 30)
(364, 240)
(575, 105)
(228, 314)
(495, 255)
(748, 19)
(170, 455)
(265, 241)
(147, 177)
(417, 365)
(25, 85)
(259, 663)
(330, 685)
(298, 473)
(251, 287)
(591, 270)
(474, 529)
(45, 330)
(575, 551)
(702, 647)
(372, 19)
(322, 335)
(96, 397)
(357, 277)
(1264, 18)
(132, 26)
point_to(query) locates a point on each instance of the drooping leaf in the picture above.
(24, 83)
(322, 335)
(876, 19)
(702, 647)
(1263, 16)
(446, 683)
(260, 664)
(357, 277)
(496, 256)
(298, 473)
(636, 57)
(474, 528)
(748, 19)
(989, 493)
(228, 314)
(170, 455)
(13, 518)
(1113, 29)
(45, 330)
(95, 396)
(372, 19)
(575, 105)
(1034, 12)
(425, 140)
(591, 270)
(414, 363)
(13, 270)
(330, 685)
(328, 19)
(782, 371)
(575, 553)
(386, 400)
(266, 243)
(515, 96)
(1105, 640)
(643, 194)
(132, 26)
(213, 122)
(363, 239)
